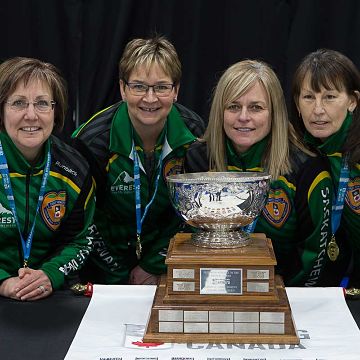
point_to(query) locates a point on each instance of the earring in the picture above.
(299, 114)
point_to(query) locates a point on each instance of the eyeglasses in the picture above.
(42, 106)
(139, 89)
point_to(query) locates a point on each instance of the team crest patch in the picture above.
(353, 195)
(277, 208)
(173, 166)
(53, 208)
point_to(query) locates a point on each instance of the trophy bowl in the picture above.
(220, 205)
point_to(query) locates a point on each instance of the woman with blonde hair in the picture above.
(249, 130)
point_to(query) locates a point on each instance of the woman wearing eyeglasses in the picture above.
(46, 190)
(132, 146)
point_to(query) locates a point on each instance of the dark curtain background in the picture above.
(85, 40)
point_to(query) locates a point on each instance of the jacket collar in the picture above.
(15, 158)
(121, 135)
(250, 159)
(334, 142)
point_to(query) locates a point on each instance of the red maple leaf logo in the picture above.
(147, 345)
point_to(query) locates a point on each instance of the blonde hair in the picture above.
(235, 82)
(157, 50)
(22, 69)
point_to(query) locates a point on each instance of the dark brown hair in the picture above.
(330, 69)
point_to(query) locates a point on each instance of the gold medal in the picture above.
(78, 289)
(333, 249)
(138, 247)
(353, 292)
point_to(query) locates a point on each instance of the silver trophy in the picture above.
(219, 205)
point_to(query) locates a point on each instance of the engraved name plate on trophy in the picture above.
(220, 281)
(220, 284)
(233, 297)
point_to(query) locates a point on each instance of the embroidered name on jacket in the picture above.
(53, 208)
(277, 208)
(353, 195)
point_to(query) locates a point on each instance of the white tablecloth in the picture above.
(114, 322)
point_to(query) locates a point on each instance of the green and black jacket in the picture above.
(297, 214)
(348, 234)
(106, 141)
(61, 239)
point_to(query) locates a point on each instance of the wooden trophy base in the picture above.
(221, 295)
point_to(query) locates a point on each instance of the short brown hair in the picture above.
(22, 69)
(156, 50)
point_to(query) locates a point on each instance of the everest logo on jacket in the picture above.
(124, 183)
(6, 218)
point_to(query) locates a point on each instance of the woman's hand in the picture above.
(8, 286)
(138, 276)
(32, 285)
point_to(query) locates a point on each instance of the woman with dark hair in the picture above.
(325, 91)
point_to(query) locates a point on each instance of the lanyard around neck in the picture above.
(338, 203)
(140, 218)
(4, 171)
(251, 227)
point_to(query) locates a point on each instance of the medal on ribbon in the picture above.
(140, 218)
(138, 246)
(337, 208)
(5, 174)
(332, 249)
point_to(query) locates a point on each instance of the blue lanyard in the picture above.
(4, 171)
(251, 227)
(338, 204)
(140, 218)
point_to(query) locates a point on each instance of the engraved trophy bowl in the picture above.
(219, 205)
